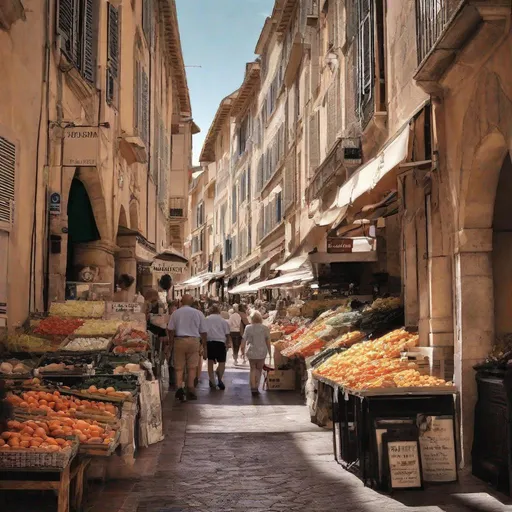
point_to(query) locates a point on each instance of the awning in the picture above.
(292, 277)
(200, 280)
(171, 254)
(293, 264)
(330, 216)
(196, 174)
(242, 288)
(370, 174)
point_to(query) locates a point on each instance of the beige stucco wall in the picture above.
(114, 185)
(21, 77)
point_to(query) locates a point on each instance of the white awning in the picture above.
(370, 174)
(293, 264)
(328, 217)
(242, 289)
(293, 277)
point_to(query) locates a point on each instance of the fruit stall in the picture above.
(83, 394)
(390, 404)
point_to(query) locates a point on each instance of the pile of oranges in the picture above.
(53, 435)
(54, 404)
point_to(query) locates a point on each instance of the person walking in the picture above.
(219, 340)
(187, 334)
(235, 327)
(256, 344)
(242, 311)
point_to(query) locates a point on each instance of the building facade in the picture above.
(389, 122)
(96, 135)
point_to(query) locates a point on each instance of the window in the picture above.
(7, 180)
(279, 207)
(366, 57)
(244, 135)
(147, 21)
(234, 208)
(76, 25)
(112, 54)
(141, 107)
(200, 214)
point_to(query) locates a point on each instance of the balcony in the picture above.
(327, 172)
(177, 208)
(447, 27)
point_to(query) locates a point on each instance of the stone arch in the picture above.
(479, 187)
(90, 178)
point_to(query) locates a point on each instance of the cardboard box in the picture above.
(281, 380)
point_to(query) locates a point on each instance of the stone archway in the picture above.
(474, 279)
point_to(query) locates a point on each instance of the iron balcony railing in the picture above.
(431, 18)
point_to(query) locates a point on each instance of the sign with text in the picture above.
(339, 245)
(404, 464)
(81, 145)
(168, 267)
(126, 307)
(55, 204)
(437, 448)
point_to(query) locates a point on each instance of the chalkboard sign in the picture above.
(437, 448)
(401, 452)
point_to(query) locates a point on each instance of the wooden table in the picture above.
(51, 479)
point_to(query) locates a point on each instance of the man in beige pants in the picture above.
(187, 333)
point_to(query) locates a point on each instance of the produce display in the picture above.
(31, 343)
(106, 387)
(127, 368)
(98, 328)
(348, 339)
(76, 364)
(130, 340)
(15, 367)
(78, 309)
(87, 344)
(53, 403)
(55, 434)
(57, 326)
(32, 435)
(377, 364)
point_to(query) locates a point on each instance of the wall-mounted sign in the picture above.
(168, 267)
(55, 204)
(338, 245)
(81, 145)
(352, 152)
(126, 307)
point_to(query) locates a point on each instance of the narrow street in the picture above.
(230, 452)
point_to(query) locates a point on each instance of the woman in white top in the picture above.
(256, 340)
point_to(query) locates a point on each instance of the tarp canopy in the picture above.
(293, 264)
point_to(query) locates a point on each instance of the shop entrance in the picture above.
(82, 226)
(502, 251)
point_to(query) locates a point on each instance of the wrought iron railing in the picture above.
(431, 18)
(177, 207)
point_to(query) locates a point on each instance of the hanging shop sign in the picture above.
(55, 204)
(352, 153)
(81, 146)
(339, 245)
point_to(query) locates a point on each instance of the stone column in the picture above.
(474, 305)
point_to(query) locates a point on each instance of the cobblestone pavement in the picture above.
(230, 452)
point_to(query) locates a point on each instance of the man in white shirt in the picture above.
(235, 327)
(187, 332)
(218, 336)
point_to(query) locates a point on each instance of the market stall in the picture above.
(367, 379)
(82, 387)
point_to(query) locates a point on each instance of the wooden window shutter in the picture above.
(89, 61)
(332, 127)
(144, 107)
(315, 63)
(112, 52)
(314, 143)
(68, 28)
(7, 180)
(366, 51)
(136, 97)
(147, 21)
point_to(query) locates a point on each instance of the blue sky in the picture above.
(220, 36)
